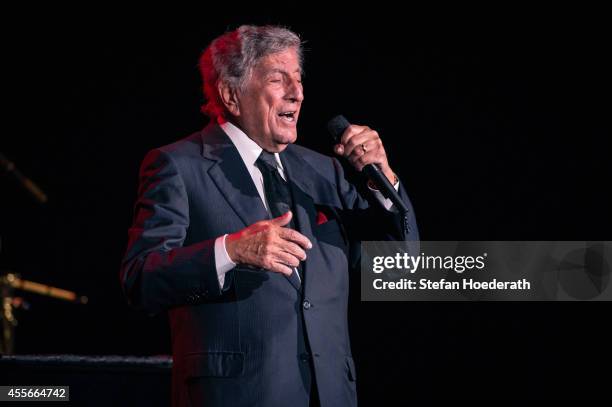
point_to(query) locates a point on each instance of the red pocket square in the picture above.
(321, 218)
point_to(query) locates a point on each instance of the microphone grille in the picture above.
(336, 126)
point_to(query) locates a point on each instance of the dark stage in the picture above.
(498, 133)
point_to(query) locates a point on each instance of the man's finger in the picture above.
(282, 220)
(351, 131)
(361, 161)
(296, 237)
(287, 259)
(293, 249)
(279, 267)
(353, 146)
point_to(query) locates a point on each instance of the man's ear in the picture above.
(229, 98)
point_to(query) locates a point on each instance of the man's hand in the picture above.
(267, 244)
(362, 146)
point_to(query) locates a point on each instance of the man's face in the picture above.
(269, 106)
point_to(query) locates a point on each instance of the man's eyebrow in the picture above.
(278, 70)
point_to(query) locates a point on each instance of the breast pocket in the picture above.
(331, 232)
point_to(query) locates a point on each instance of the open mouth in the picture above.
(289, 116)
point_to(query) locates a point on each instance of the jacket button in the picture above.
(306, 304)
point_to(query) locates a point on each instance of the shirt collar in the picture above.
(248, 149)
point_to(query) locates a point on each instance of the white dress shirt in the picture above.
(249, 152)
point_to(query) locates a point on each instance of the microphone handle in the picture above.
(385, 187)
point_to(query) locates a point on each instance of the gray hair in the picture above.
(230, 59)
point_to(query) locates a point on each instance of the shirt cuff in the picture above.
(223, 263)
(387, 203)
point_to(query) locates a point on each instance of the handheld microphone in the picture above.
(336, 127)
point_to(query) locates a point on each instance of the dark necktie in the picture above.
(276, 189)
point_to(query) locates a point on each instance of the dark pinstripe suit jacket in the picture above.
(248, 343)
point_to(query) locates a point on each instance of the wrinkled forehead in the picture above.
(286, 61)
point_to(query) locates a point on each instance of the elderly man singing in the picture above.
(244, 236)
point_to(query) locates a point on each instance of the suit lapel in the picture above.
(234, 181)
(296, 171)
(231, 176)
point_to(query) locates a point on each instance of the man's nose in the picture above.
(295, 91)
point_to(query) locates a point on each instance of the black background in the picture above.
(498, 131)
